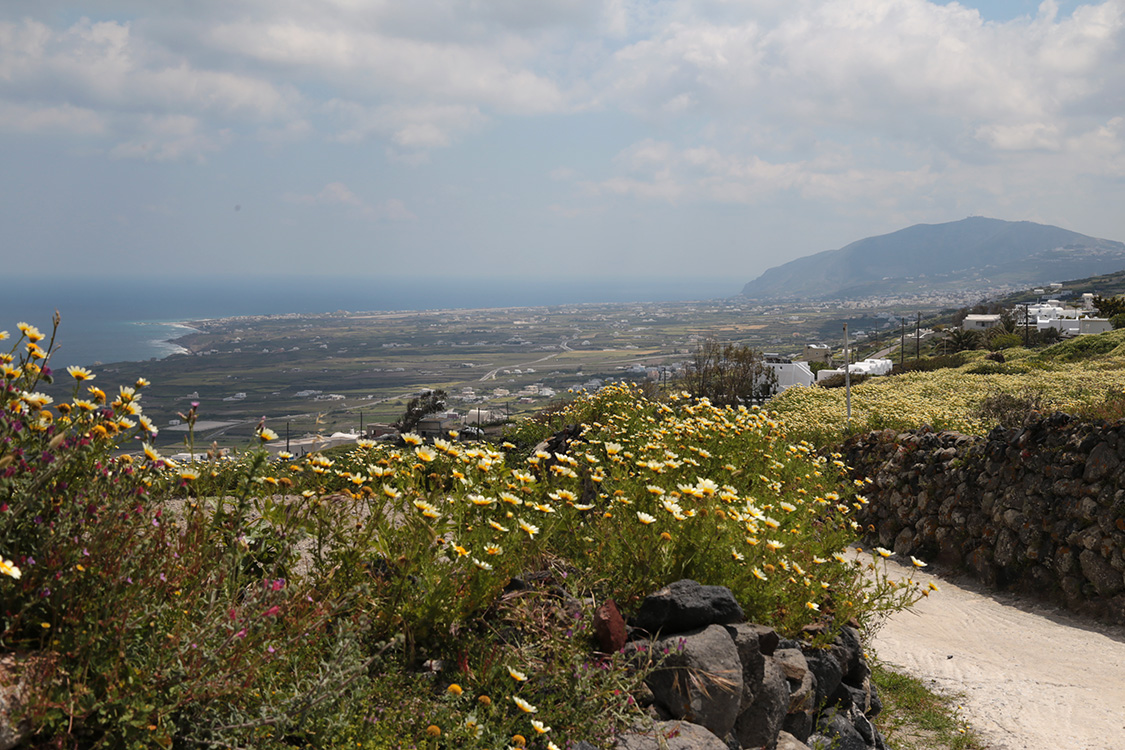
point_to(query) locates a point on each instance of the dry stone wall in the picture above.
(1040, 509)
(725, 684)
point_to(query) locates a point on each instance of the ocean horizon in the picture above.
(108, 320)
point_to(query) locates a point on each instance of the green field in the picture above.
(327, 373)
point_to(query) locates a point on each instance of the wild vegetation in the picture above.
(432, 594)
(728, 374)
(1084, 376)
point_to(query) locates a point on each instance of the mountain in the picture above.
(968, 255)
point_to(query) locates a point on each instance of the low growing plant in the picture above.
(438, 594)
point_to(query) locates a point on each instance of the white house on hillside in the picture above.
(789, 373)
(1069, 321)
(866, 367)
(979, 322)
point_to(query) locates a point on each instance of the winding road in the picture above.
(1033, 677)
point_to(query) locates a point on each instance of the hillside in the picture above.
(974, 253)
(974, 397)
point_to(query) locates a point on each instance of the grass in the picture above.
(956, 398)
(914, 717)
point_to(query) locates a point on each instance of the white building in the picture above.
(483, 416)
(818, 353)
(979, 322)
(790, 373)
(1069, 321)
(866, 367)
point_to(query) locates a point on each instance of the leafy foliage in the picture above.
(1108, 307)
(385, 595)
(1008, 409)
(1005, 341)
(961, 340)
(419, 408)
(729, 374)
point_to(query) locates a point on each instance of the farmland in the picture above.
(333, 372)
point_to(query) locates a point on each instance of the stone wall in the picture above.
(725, 684)
(1039, 509)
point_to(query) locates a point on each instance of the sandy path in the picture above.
(1032, 676)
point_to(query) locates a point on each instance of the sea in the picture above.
(106, 320)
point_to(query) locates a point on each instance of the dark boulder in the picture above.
(687, 605)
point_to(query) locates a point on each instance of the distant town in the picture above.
(324, 379)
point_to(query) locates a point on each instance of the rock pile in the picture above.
(1040, 509)
(726, 684)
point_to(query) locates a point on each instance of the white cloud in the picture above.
(339, 194)
(53, 119)
(170, 138)
(828, 108)
(1029, 136)
(898, 66)
(406, 126)
(99, 78)
(491, 72)
(657, 170)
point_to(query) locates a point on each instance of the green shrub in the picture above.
(1008, 409)
(1005, 341)
(1084, 347)
(929, 364)
(838, 381)
(308, 602)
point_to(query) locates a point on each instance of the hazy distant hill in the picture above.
(974, 253)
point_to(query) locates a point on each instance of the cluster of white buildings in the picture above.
(866, 367)
(790, 373)
(1068, 321)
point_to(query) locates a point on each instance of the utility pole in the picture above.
(902, 345)
(1026, 325)
(918, 337)
(286, 437)
(847, 380)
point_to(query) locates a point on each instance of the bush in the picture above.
(729, 374)
(371, 596)
(838, 380)
(1005, 341)
(1010, 410)
(1083, 347)
(1110, 409)
(929, 364)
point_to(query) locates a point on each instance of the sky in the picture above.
(541, 139)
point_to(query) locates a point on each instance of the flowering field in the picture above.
(427, 594)
(950, 399)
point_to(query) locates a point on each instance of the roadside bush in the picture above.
(154, 615)
(1005, 341)
(1008, 409)
(386, 595)
(929, 364)
(1084, 347)
(838, 381)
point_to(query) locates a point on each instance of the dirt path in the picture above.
(1032, 677)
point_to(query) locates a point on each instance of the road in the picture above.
(1032, 677)
(491, 374)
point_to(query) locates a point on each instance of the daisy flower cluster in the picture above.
(451, 583)
(947, 399)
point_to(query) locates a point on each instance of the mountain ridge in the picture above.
(970, 254)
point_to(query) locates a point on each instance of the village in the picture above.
(330, 380)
